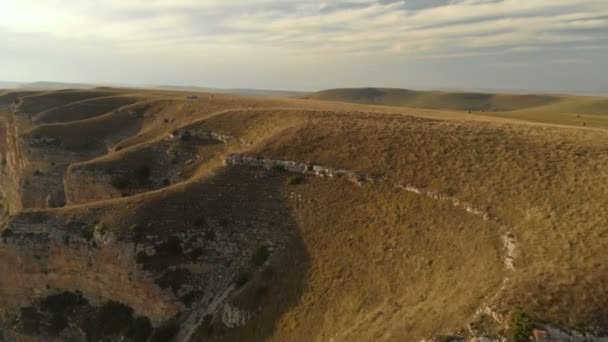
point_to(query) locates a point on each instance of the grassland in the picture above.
(365, 262)
(554, 109)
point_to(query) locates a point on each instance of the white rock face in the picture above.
(203, 135)
(40, 256)
(233, 317)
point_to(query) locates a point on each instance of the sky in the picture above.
(541, 45)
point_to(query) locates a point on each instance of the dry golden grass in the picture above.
(372, 262)
(588, 111)
(86, 109)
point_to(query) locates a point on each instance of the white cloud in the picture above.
(277, 34)
(305, 26)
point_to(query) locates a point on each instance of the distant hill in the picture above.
(548, 108)
(236, 91)
(57, 85)
(9, 85)
(46, 85)
(436, 99)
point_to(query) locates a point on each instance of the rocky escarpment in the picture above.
(69, 256)
(187, 272)
(142, 168)
(37, 157)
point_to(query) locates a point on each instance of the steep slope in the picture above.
(240, 218)
(84, 109)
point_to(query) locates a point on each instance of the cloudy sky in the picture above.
(548, 45)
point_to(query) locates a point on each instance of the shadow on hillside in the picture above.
(247, 211)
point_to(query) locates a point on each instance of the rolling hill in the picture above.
(560, 109)
(152, 215)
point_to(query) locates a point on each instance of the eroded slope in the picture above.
(242, 218)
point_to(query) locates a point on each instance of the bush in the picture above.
(210, 235)
(142, 174)
(114, 319)
(200, 222)
(295, 180)
(171, 248)
(207, 325)
(260, 256)
(279, 168)
(174, 279)
(88, 233)
(242, 279)
(521, 326)
(30, 320)
(138, 233)
(191, 297)
(196, 253)
(120, 181)
(165, 333)
(224, 223)
(60, 303)
(140, 329)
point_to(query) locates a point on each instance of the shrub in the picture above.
(207, 325)
(242, 279)
(138, 233)
(279, 168)
(210, 235)
(520, 327)
(262, 291)
(6, 232)
(196, 253)
(165, 332)
(295, 180)
(191, 297)
(88, 233)
(113, 319)
(62, 302)
(186, 136)
(142, 174)
(120, 181)
(171, 248)
(140, 329)
(174, 279)
(30, 320)
(260, 256)
(141, 257)
(200, 222)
